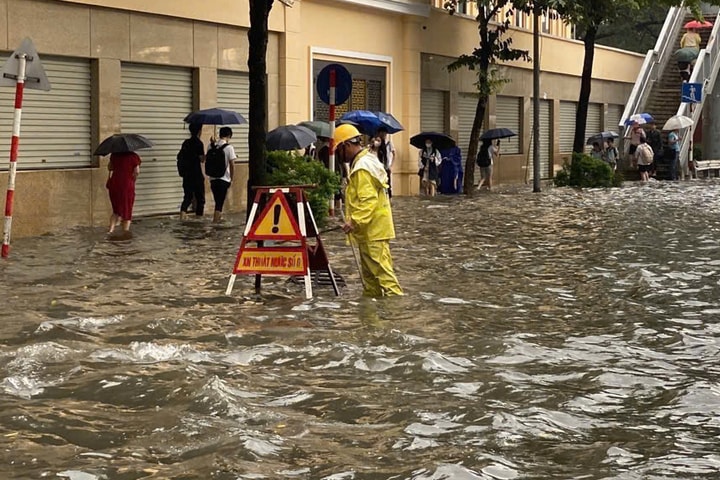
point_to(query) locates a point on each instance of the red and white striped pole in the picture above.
(331, 162)
(19, 88)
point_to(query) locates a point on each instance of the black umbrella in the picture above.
(289, 137)
(601, 137)
(123, 142)
(439, 140)
(495, 133)
(215, 116)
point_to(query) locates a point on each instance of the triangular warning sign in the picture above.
(35, 77)
(276, 221)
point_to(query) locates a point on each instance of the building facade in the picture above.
(137, 66)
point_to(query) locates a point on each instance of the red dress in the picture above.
(121, 184)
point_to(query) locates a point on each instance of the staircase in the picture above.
(665, 93)
(657, 88)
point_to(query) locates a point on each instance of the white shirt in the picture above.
(230, 156)
(493, 151)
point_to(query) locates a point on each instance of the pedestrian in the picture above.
(645, 156)
(674, 142)
(691, 39)
(451, 170)
(654, 139)
(123, 169)
(611, 153)
(636, 134)
(386, 154)
(368, 217)
(191, 157)
(597, 152)
(484, 160)
(221, 184)
(428, 163)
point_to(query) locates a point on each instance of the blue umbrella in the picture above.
(215, 116)
(640, 118)
(390, 123)
(366, 121)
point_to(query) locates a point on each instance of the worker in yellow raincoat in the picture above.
(368, 219)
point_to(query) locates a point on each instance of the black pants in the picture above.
(219, 190)
(193, 186)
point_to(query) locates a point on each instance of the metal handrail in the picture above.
(655, 62)
(704, 72)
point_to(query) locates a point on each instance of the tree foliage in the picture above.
(494, 46)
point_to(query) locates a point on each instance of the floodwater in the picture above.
(560, 335)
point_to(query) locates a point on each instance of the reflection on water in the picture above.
(556, 335)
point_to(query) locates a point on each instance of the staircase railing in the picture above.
(655, 62)
(704, 72)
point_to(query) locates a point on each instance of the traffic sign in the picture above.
(276, 221)
(35, 77)
(691, 93)
(343, 84)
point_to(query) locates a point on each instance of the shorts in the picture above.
(645, 168)
(486, 172)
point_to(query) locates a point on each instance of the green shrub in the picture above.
(587, 172)
(697, 152)
(286, 168)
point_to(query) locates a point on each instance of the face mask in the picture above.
(428, 145)
(376, 143)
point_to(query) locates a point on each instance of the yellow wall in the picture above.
(556, 54)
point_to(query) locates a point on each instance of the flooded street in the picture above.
(557, 335)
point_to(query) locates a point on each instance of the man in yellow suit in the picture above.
(368, 219)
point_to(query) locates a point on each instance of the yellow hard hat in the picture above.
(344, 132)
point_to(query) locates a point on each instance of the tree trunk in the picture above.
(469, 178)
(585, 87)
(258, 40)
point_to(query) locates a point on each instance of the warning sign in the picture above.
(276, 221)
(272, 260)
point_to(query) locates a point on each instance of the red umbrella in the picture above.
(695, 24)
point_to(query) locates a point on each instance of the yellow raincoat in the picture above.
(368, 208)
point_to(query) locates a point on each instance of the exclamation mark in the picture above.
(276, 218)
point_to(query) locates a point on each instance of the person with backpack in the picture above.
(189, 163)
(220, 168)
(485, 160)
(611, 154)
(429, 168)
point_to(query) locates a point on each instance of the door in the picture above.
(233, 93)
(55, 127)
(432, 111)
(507, 115)
(545, 141)
(154, 101)
(568, 111)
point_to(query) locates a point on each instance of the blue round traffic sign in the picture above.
(343, 84)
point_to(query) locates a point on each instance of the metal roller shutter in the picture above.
(507, 115)
(432, 111)
(545, 140)
(233, 93)
(155, 99)
(613, 117)
(55, 127)
(568, 110)
(593, 124)
(467, 104)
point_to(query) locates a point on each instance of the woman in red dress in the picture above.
(124, 168)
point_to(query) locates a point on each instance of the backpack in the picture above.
(483, 157)
(183, 161)
(215, 163)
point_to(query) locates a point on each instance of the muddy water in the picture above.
(556, 335)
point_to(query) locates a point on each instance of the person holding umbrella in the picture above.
(123, 170)
(190, 160)
(429, 162)
(368, 217)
